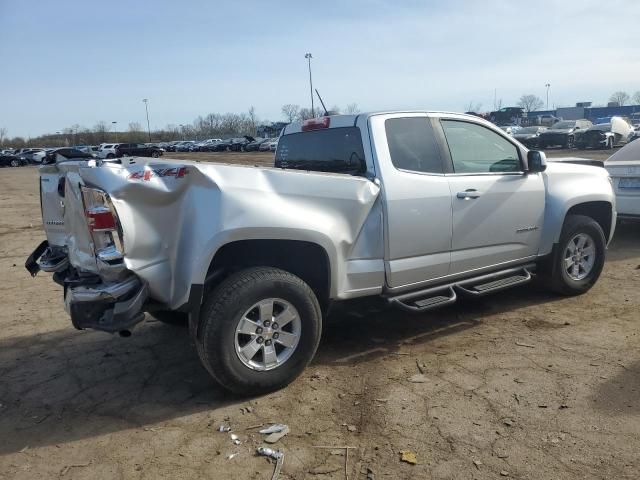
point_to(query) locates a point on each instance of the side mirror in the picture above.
(537, 161)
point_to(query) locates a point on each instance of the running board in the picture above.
(430, 298)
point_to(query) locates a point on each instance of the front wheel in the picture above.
(578, 258)
(155, 154)
(570, 142)
(258, 330)
(15, 163)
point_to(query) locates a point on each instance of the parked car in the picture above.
(606, 135)
(273, 145)
(184, 146)
(137, 150)
(238, 144)
(563, 133)
(417, 209)
(529, 136)
(65, 154)
(8, 160)
(32, 155)
(624, 169)
(255, 145)
(107, 150)
(206, 145)
(266, 146)
(222, 146)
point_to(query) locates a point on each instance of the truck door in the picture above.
(417, 198)
(497, 208)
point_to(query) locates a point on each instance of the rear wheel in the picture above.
(155, 154)
(15, 162)
(258, 330)
(111, 155)
(570, 142)
(578, 258)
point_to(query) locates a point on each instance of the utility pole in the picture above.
(548, 85)
(115, 129)
(146, 107)
(308, 56)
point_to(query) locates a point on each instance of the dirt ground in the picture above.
(519, 385)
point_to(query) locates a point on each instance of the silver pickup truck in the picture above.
(419, 208)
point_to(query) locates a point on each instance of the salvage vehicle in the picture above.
(624, 168)
(529, 135)
(415, 208)
(9, 160)
(563, 133)
(137, 150)
(606, 135)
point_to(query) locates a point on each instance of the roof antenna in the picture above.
(326, 113)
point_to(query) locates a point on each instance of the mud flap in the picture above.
(32, 261)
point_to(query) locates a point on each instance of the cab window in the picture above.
(477, 149)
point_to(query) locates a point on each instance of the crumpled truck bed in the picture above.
(175, 215)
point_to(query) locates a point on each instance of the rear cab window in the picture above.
(337, 150)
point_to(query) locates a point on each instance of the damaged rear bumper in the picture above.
(112, 307)
(90, 301)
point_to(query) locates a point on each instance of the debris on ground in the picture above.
(418, 378)
(522, 344)
(421, 366)
(504, 473)
(275, 432)
(408, 456)
(508, 422)
(276, 455)
(352, 428)
(224, 428)
(66, 469)
(235, 439)
(477, 463)
(370, 474)
(231, 455)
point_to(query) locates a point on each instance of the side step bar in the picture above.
(430, 298)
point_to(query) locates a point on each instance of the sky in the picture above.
(67, 62)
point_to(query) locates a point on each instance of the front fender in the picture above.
(569, 185)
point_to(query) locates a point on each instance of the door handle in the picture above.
(470, 193)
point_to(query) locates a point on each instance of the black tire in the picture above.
(172, 318)
(229, 302)
(155, 154)
(555, 276)
(110, 155)
(15, 163)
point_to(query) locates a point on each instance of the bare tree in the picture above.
(530, 102)
(253, 120)
(352, 109)
(636, 98)
(3, 135)
(291, 112)
(620, 97)
(473, 107)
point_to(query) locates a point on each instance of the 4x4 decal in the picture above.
(148, 174)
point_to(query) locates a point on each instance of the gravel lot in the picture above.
(519, 385)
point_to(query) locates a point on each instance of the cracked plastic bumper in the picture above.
(107, 307)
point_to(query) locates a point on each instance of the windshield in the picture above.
(564, 125)
(336, 150)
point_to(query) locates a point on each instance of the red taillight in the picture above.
(100, 219)
(316, 124)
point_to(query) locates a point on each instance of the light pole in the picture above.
(115, 129)
(548, 85)
(308, 56)
(146, 107)
(182, 128)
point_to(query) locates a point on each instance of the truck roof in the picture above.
(338, 121)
